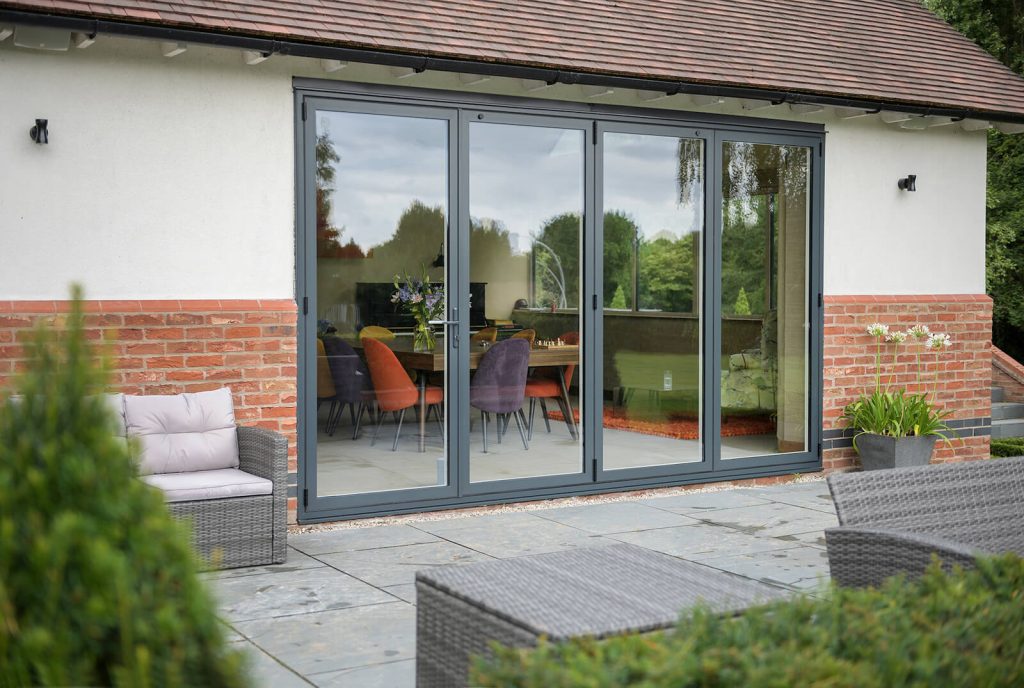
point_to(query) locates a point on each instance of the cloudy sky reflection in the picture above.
(519, 176)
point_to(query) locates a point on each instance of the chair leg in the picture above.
(499, 419)
(398, 430)
(567, 414)
(359, 419)
(440, 422)
(380, 422)
(544, 412)
(483, 419)
(329, 427)
(529, 425)
(520, 421)
(352, 412)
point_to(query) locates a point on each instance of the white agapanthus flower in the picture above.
(919, 332)
(878, 330)
(897, 337)
(939, 341)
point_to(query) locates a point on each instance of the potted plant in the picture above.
(425, 302)
(897, 428)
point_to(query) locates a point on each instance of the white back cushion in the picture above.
(116, 404)
(183, 432)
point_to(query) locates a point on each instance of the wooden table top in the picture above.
(434, 361)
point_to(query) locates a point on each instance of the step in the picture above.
(1007, 410)
(998, 394)
(1013, 427)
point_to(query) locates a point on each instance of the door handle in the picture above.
(442, 322)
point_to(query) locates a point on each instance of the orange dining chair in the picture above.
(394, 389)
(377, 332)
(547, 384)
(488, 334)
(528, 335)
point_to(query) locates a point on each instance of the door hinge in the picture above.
(595, 133)
(305, 305)
(303, 111)
(594, 303)
(821, 301)
(819, 450)
(305, 498)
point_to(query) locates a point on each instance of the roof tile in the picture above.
(885, 50)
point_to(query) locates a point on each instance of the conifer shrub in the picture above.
(98, 584)
(1007, 447)
(961, 629)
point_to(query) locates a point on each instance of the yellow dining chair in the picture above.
(381, 334)
(528, 335)
(488, 334)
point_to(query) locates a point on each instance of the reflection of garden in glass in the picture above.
(765, 222)
(652, 234)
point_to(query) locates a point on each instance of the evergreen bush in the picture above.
(961, 629)
(1007, 446)
(98, 584)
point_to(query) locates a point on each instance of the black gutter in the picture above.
(421, 63)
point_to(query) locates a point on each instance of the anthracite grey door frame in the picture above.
(341, 96)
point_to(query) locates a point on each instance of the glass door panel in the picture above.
(764, 299)
(526, 204)
(381, 215)
(653, 198)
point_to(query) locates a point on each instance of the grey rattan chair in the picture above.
(245, 531)
(893, 521)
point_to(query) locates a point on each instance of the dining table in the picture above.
(435, 361)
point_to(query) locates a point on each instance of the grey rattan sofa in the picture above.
(229, 481)
(893, 521)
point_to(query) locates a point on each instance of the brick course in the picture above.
(171, 346)
(960, 377)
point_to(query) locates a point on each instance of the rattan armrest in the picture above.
(263, 453)
(867, 556)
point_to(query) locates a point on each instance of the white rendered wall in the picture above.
(174, 178)
(162, 179)
(880, 240)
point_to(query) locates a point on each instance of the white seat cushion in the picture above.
(217, 484)
(179, 433)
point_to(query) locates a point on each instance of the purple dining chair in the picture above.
(499, 385)
(351, 384)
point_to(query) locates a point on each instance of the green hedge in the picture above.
(964, 629)
(1007, 446)
(98, 584)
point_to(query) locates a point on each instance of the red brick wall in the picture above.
(1008, 374)
(961, 374)
(168, 347)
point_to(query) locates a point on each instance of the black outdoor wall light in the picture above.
(39, 133)
(908, 183)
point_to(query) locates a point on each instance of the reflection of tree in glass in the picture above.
(666, 274)
(754, 178)
(414, 244)
(557, 261)
(327, 244)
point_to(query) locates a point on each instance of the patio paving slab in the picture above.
(338, 639)
(706, 501)
(354, 539)
(296, 561)
(402, 592)
(799, 568)
(811, 495)
(614, 517)
(511, 535)
(771, 520)
(702, 541)
(267, 672)
(306, 590)
(398, 565)
(390, 675)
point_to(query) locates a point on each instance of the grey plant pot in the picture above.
(879, 451)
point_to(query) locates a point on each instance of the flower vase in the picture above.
(423, 338)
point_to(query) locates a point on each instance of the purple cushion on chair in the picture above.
(183, 432)
(499, 384)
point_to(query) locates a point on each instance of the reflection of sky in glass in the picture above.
(522, 176)
(386, 163)
(641, 179)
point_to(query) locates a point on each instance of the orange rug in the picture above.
(677, 426)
